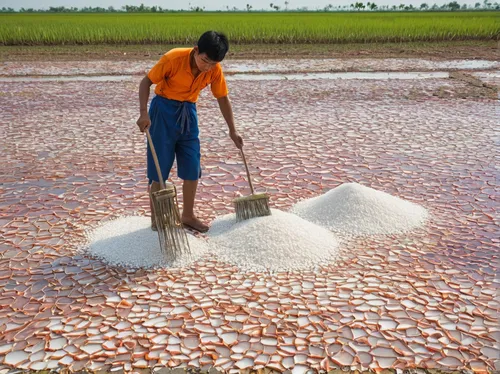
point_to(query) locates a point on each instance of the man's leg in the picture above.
(188, 217)
(189, 169)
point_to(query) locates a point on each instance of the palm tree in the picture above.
(360, 6)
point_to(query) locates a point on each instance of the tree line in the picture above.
(357, 6)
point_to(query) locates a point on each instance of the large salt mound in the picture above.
(279, 242)
(354, 209)
(130, 242)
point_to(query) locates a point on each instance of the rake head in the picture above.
(252, 206)
(172, 236)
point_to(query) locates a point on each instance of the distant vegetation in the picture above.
(248, 27)
(357, 6)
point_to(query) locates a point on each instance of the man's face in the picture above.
(202, 61)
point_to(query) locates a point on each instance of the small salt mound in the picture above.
(358, 210)
(130, 242)
(279, 242)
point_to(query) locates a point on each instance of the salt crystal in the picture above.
(91, 348)
(354, 209)
(15, 358)
(229, 338)
(129, 241)
(57, 344)
(244, 363)
(279, 242)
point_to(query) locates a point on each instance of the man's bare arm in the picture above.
(227, 112)
(144, 121)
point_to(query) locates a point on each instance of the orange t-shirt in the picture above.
(174, 79)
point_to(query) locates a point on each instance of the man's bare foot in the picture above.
(194, 223)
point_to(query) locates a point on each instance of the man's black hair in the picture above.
(214, 44)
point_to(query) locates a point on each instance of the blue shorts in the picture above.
(174, 131)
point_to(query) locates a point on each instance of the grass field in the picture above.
(246, 28)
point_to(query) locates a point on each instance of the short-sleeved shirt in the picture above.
(174, 79)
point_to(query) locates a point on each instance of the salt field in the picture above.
(412, 290)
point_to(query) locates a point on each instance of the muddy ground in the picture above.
(488, 50)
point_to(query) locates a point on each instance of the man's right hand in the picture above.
(144, 122)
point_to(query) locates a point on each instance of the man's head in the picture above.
(212, 48)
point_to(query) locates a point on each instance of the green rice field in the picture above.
(247, 28)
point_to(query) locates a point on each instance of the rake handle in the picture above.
(157, 164)
(248, 172)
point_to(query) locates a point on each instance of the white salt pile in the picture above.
(353, 209)
(280, 242)
(130, 242)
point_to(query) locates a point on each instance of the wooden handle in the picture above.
(248, 172)
(150, 141)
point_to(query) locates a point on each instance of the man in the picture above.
(179, 76)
